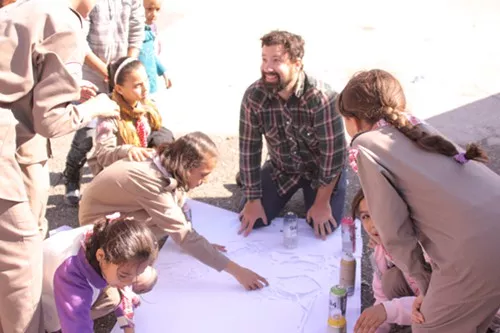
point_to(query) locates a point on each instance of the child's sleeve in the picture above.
(160, 69)
(399, 310)
(107, 150)
(73, 297)
(378, 292)
(125, 310)
(397, 230)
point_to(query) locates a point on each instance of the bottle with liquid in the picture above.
(337, 324)
(348, 235)
(290, 230)
(348, 272)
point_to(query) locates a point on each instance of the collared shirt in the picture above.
(305, 136)
(112, 28)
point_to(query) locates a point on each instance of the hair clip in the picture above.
(113, 217)
(461, 158)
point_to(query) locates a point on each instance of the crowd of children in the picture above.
(427, 205)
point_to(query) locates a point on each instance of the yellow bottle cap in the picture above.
(336, 321)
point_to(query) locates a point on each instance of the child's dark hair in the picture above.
(124, 72)
(123, 240)
(376, 94)
(186, 153)
(356, 201)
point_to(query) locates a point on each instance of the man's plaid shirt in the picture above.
(305, 136)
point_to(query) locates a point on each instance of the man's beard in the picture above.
(276, 86)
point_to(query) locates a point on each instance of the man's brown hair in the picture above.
(292, 43)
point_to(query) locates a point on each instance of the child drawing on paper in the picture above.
(90, 272)
(156, 189)
(131, 135)
(394, 291)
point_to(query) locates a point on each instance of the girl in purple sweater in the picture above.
(93, 270)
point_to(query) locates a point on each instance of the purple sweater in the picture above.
(74, 281)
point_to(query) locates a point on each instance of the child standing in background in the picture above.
(150, 47)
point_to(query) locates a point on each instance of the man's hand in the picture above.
(252, 211)
(247, 278)
(321, 214)
(371, 319)
(416, 315)
(139, 154)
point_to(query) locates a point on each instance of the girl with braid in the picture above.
(140, 125)
(423, 189)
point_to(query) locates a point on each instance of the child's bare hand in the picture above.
(168, 82)
(416, 315)
(128, 330)
(371, 319)
(139, 154)
(220, 248)
(373, 242)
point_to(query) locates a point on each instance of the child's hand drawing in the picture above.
(220, 248)
(371, 319)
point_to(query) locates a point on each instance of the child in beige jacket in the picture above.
(424, 191)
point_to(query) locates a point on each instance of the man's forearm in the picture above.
(325, 192)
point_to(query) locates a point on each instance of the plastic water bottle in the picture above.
(290, 230)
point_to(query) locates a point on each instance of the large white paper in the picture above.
(193, 298)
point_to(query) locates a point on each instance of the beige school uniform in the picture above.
(147, 192)
(109, 145)
(37, 42)
(453, 210)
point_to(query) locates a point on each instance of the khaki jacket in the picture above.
(143, 191)
(38, 43)
(109, 146)
(451, 209)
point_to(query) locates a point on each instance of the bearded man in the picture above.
(305, 137)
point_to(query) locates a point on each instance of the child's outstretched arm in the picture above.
(397, 230)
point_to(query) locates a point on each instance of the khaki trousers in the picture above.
(21, 254)
(37, 182)
(446, 310)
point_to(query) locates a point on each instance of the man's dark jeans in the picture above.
(273, 203)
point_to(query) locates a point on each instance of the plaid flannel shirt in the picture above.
(305, 136)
